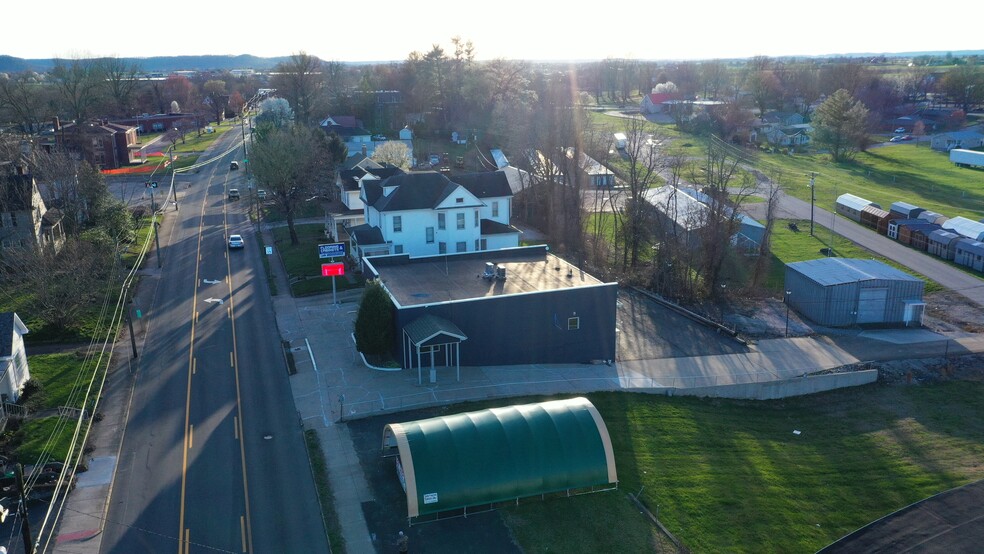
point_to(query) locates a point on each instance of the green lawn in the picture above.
(730, 476)
(30, 439)
(57, 374)
(302, 263)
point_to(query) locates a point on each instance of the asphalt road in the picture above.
(213, 457)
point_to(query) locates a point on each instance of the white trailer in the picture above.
(967, 158)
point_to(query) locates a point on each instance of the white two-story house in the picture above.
(349, 210)
(427, 213)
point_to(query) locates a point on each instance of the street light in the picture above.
(786, 300)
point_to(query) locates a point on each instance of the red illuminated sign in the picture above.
(332, 270)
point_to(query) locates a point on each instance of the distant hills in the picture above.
(10, 64)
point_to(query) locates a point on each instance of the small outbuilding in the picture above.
(965, 227)
(933, 217)
(465, 463)
(851, 206)
(969, 253)
(943, 243)
(875, 217)
(906, 210)
(840, 292)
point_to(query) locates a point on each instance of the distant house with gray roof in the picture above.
(944, 142)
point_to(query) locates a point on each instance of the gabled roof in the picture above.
(492, 227)
(366, 235)
(9, 324)
(854, 202)
(965, 227)
(485, 184)
(345, 132)
(426, 327)
(414, 191)
(659, 98)
(943, 236)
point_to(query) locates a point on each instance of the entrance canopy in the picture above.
(478, 458)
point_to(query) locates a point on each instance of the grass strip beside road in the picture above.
(319, 468)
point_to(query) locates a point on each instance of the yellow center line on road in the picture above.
(183, 546)
(246, 524)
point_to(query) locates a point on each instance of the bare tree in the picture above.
(292, 163)
(25, 100)
(120, 82)
(79, 84)
(301, 80)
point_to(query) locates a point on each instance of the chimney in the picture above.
(365, 149)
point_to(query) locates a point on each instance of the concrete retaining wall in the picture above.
(772, 390)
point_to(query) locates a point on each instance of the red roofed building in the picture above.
(653, 103)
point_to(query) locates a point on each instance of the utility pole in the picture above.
(157, 240)
(22, 509)
(813, 197)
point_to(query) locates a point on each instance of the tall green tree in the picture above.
(841, 125)
(374, 322)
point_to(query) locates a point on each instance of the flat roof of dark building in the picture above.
(458, 277)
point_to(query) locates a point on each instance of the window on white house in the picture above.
(459, 200)
(477, 245)
(397, 224)
(430, 235)
(476, 218)
(460, 220)
(442, 248)
(441, 221)
(495, 208)
(397, 248)
(461, 247)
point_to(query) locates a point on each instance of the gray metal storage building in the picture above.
(840, 292)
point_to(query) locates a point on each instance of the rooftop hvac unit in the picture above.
(500, 272)
(490, 271)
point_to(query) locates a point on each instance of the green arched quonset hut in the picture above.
(478, 458)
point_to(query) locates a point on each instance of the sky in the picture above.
(387, 30)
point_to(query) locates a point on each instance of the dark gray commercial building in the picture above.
(840, 292)
(498, 307)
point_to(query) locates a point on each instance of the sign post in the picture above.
(333, 270)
